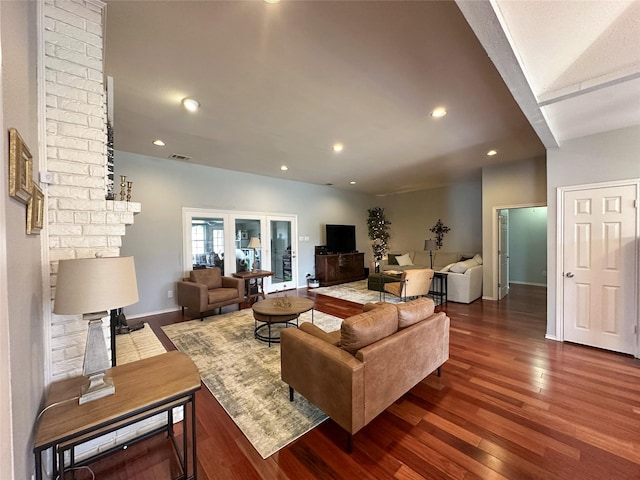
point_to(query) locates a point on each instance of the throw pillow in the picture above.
(462, 267)
(447, 268)
(391, 259)
(404, 260)
(478, 259)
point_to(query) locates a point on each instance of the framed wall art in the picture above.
(35, 210)
(20, 167)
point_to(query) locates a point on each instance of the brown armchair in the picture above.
(413, 283)
(207, 289)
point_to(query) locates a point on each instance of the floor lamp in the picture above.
(254, 243)
(91, 286)
(430, 245)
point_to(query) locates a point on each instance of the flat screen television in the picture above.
(341, 238)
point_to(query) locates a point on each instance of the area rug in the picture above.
(137, 345)
(355, 292)
(243, 374)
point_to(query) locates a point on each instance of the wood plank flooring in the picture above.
(509, 405)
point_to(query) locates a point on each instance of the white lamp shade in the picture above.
(89, 285)
(254, 243)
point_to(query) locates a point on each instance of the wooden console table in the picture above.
(258, 277)
(144, 388)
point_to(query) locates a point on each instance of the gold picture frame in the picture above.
(35, 210)
(20, 167)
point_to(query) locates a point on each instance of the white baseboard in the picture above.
(486, 297)
(528, 283)
(551, 337)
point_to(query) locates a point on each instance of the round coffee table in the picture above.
(273, 310)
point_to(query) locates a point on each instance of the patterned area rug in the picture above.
(355, 292)
(137, 345)
(244, 376)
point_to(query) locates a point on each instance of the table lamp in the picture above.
(254, 243)
(91, 286)
(430, 245)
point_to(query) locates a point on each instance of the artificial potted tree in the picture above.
(378, 227)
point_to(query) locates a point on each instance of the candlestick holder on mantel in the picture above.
(123, 185)
(129, 185)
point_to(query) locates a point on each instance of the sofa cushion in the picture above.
(368, 327)
(370, 305)
(217, 295)
(211, 277)
(404, 260)
(422, 258)
(462, 267)
(447, 268)
(440, 259)
(414, 311)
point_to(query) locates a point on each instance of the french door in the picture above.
(283, 252)
(242, 241)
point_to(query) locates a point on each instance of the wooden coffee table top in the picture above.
(268, 307)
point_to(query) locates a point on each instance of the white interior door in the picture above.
(503, 254)
(600, 267)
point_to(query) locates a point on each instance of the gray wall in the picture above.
(412, 214)
(18, 39)
(164, 187)
(528, 245)
(596, 158)
(510, 185)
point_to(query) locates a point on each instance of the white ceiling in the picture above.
(279, 84)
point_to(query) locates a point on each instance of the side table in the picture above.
(439, 287)
(143, 389)
(257, 276)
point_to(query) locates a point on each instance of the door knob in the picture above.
(569, 275)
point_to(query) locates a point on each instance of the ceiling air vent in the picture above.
(177, 156)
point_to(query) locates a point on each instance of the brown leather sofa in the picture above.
(355, 373)
(206, 289)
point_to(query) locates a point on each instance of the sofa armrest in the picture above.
(192, 295)
(330, 337)
(327, 376)
(232, 282)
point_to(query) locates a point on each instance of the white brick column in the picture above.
(81, 223)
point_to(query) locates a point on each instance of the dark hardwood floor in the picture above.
(509, 404)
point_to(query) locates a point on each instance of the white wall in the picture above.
(18, 36)
(412, 214)
(513, 184)
(165, 186)
(596, 158)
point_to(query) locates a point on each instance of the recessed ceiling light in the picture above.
(272, 1)
(190, 104)
(337, 147)
(284, 168)
(158, 143)
(491, 153)
(352, 182)
(439, 112)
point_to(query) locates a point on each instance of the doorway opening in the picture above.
(520, 238)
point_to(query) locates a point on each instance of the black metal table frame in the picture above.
(69, 442)
(441, 281)
(271, 339)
